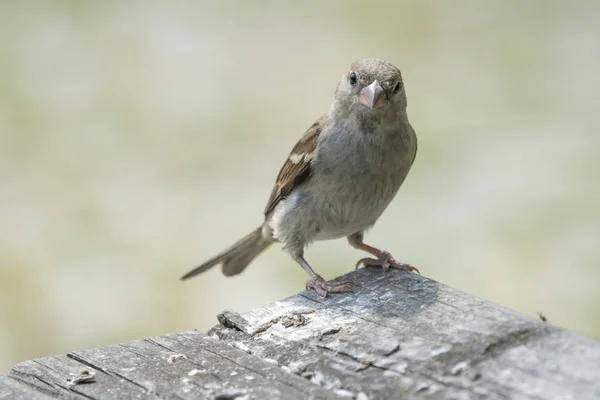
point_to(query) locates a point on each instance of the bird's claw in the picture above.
(386, 261)
(323, 288)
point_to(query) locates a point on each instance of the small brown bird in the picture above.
(339, 177)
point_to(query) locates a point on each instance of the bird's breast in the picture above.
(350, 204)
(355, 178)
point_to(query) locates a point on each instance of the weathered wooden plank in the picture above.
(420, 339)
(175, 366)
(240, 371)
(52, 375)
(397, 335)
(11, 389)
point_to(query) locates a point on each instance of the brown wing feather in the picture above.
(297, 167)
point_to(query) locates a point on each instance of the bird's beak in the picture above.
(371, 94)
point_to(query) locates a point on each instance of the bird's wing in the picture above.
(297, 168)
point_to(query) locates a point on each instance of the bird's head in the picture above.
(371, 87)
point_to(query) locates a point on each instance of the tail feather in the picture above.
(237, 257)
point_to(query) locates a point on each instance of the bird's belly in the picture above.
(347, 209)
(335, 232)
(343, 220)
(331, 209)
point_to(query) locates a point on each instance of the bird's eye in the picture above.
(397, 87)
(353, 78)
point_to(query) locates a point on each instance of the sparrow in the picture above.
(339, 177)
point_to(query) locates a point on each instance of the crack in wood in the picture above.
(18, 375)
(147, 390)
(189, 361)
(80, 360)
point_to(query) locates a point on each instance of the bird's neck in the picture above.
(362, 120)
(376, 124)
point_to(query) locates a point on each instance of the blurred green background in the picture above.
(137, 139)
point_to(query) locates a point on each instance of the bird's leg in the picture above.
(317, 283)
(383, 260)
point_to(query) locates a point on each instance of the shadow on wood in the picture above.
(397, 335)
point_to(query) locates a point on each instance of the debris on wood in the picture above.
(84, 376)
(173, 358)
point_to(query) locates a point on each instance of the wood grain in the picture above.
(396, 336)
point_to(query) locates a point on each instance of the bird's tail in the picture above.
(237, 257)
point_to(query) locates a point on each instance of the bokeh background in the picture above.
(139, 138)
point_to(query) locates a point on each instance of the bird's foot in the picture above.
(385, 261)
(323, 288)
